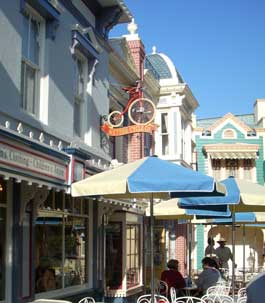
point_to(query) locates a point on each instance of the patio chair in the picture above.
(173, 294)
(87, 300)
(242, 300)
(147, 299)
(215, 298)
(218, 289)
(242, 292)
(161, 287)
(189, 300)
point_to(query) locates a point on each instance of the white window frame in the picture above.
(80, 99)
(39, 85)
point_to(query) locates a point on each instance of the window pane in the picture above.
(75, 243)
(133, 257)
(164, 122)
(49, 231)
(2, 252)
(33, 54)
(165, 147)
(25, 33)
(77, 118)
(28, 83)
(114, 255)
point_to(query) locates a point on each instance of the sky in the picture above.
(218, 46)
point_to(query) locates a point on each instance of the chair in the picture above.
(242, 300)
(161, 287)
(147, 299)
(216, 298)
(218, 289)
(242, 292)
(189, 300)
(87, 300)
(173, 294)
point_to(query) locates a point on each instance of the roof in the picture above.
(162, 67)
(248, 119)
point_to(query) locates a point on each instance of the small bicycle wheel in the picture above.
(141, 111)
(115, 118)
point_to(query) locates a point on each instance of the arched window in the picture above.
(229, 134)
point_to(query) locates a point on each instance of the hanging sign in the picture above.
(149, 128)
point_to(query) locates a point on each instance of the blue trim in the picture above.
(35, 146)
(44, 7)
(77, 152)
(48, 11)
(84, 45)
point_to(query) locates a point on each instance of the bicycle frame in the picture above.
(134, 93)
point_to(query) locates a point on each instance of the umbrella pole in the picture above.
(190, 235)
(233, 254)
(244, 253)
(152, 248)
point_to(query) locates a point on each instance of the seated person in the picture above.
(209, 277)
(255, 289)
(172, 276)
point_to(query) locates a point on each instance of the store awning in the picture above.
(232, 151)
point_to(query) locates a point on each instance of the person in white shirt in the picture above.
(223, 253)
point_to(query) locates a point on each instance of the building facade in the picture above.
(54, 92)
(232, 145)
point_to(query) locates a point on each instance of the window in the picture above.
(80, 87)
(133, 255)
(232, 167)
(61, 238)
(164, 133)
(247, 166)
(2, 239)
(216, 167)
(33, 34)
(229, 134)
(114, 255)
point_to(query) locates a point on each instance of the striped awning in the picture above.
(232, 151)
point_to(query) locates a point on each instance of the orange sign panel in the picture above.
(122, 131)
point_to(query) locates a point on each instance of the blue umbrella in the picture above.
(150, 178)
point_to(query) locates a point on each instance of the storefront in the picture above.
(33, 203)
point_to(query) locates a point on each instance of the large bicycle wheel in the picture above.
(115, 118)
(141, 111)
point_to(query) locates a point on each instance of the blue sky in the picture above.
(218, 46)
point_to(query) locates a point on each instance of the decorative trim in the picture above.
(231, 117)
(83, 44)
(48, 11)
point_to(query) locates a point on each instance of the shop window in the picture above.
(132, 255)
(61, 239)
(114, 255)
(216, 168)
(248, 166)
(2, 252)
(3, 207)
(232, 167)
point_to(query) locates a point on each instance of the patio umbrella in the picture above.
(242, 196)
(149, 178)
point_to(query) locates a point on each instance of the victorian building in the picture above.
(232, 145)
(54, 92)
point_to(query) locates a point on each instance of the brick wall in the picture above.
(181, 247)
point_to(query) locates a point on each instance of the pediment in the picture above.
(229, 120)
